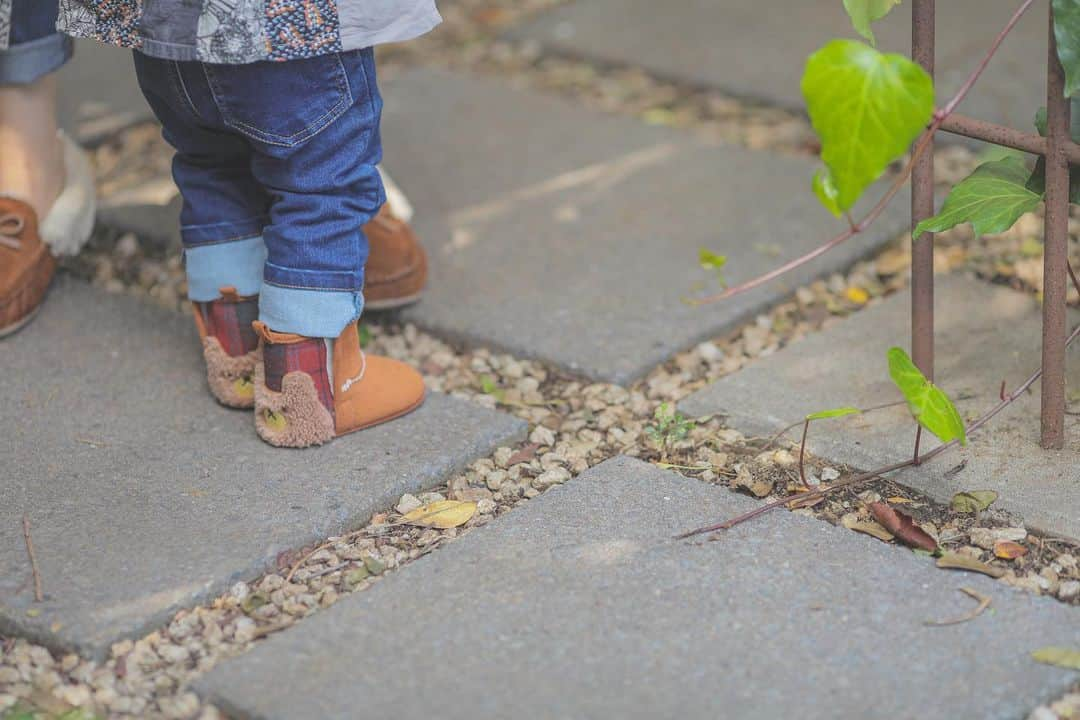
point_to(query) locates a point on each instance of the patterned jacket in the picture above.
(242, 31)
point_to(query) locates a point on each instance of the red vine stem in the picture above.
(1005, 401)
(920, 147)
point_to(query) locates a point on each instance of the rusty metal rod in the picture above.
(1006, 136)
(1055, 252)
(922, 207)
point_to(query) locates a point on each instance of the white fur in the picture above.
(395, 198)
(68, 225)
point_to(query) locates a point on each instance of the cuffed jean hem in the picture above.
(238, 263)
(30, 61)
(194, 236)
(311, 313)
(325, 280)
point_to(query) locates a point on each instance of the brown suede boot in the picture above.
(230, 346)
(26, 265)
(310, 390)
(396, 270)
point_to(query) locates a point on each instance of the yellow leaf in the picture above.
(856, 295)
(898, 500)
(868, 528)
(956, 561)
(1060, 656)
(442, 514)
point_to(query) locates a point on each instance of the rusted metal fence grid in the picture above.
(1059, 151)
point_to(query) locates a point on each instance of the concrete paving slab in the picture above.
(145, 496)
(985, 334)
(98, 92)
(752, 49)
(571, 236)
(579, 605)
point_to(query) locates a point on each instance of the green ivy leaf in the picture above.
(991, 198)
(826, 191)
(864, 12)
(1067, 35)
(973, 501)
(1040, 123)
(1040, 120)
(866, 108)
(834, 413)
(999, 152)
(930, 406)
(1037, 182)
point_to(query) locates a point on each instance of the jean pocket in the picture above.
(281, 103)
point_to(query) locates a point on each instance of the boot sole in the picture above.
(20, 323)
(388, 418)
(393, 303)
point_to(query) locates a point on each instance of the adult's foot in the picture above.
(32, 164)
(47, 194)
(396, 270)
(26, 265)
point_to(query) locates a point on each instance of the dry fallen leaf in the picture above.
(1009, 550)
(807, 502)
(898, 500)
(983, 600)
(902, 526)
(1059, 656)
(973, 501)
(442, 514)
(757, 486)
(956, 561)
(870, 528)
(525, 454)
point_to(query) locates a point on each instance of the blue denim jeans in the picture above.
(276, 165)
(34, 49)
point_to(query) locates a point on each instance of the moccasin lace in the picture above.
(11, 226)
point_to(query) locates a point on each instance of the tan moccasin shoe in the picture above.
(28, 244)
(26, 265)
(396, 270)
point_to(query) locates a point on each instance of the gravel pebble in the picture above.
(986, 537)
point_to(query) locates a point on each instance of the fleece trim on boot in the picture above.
(230, 378)
(294, 417)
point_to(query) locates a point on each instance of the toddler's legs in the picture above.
(222, 219)
(279, 158)
(275, 157)
(224, 207)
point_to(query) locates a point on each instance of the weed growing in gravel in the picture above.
(671, 427)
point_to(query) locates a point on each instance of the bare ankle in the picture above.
(31, 152)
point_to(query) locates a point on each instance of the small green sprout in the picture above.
(670, 427)
(711, 261)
